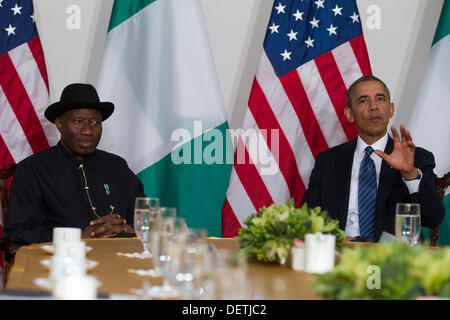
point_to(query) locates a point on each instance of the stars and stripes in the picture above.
(313, 51)
(24, 90)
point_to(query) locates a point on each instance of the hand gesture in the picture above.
(402, 157)
(106, 227)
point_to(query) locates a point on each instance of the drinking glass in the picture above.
(197, 234)
(228, 277)
(169, 215)
(192, 265)
(146, 210)
(168, 237)
(167, 212)
(165, 220)
(407, 222)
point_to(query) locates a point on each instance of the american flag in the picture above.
(24, 90)
(313, 51)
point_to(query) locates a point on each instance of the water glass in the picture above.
(167, 212)
(227, 279)
(168, 237)
(407, 222)
(192, 266)
(146, 210)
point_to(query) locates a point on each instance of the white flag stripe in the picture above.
(28, 71)
(153, 91)
(12, 132)
(432, 108)
(286, 116)
(321, 104)
(265, 163)
(130, 111)
(347, 64)
(238, 199)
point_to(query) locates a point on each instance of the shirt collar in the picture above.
(378, 145)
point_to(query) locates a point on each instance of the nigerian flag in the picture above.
(429, 123)
(169, 121)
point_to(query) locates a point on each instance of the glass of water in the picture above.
(407, 222)
(193, 265)
(168, 238)
(146, 211)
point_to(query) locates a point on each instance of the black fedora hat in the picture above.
(78, 96)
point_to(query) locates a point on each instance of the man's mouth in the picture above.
(86, 144)
(375, 119)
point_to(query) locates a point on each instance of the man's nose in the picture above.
(373, 105)
(86, 129)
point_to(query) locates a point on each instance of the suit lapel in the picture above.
(388, 177)
(343, 178)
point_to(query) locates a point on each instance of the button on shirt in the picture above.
(352, 225)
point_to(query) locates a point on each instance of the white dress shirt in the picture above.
(352, 225)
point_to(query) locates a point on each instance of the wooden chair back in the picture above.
(8, 250)
(5, 174)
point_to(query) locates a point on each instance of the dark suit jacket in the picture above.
(329, 187)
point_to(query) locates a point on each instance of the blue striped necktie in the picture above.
(367, 195)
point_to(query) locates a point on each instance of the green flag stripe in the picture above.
(196, 190)
(444, 231)
(443, 28)
(124, 9)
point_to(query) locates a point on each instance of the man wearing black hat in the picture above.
(73, 184)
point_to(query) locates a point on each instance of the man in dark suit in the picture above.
(73, 184)
(359, 184)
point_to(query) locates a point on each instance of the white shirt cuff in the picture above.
(412, 185)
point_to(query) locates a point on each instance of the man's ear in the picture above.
(59, 123)
(348, 112)
(392, 110)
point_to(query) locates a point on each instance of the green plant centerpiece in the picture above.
(269, 234)
(389, 271)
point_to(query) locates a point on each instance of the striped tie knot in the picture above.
(368, 150)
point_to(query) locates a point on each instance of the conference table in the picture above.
(268, 281)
